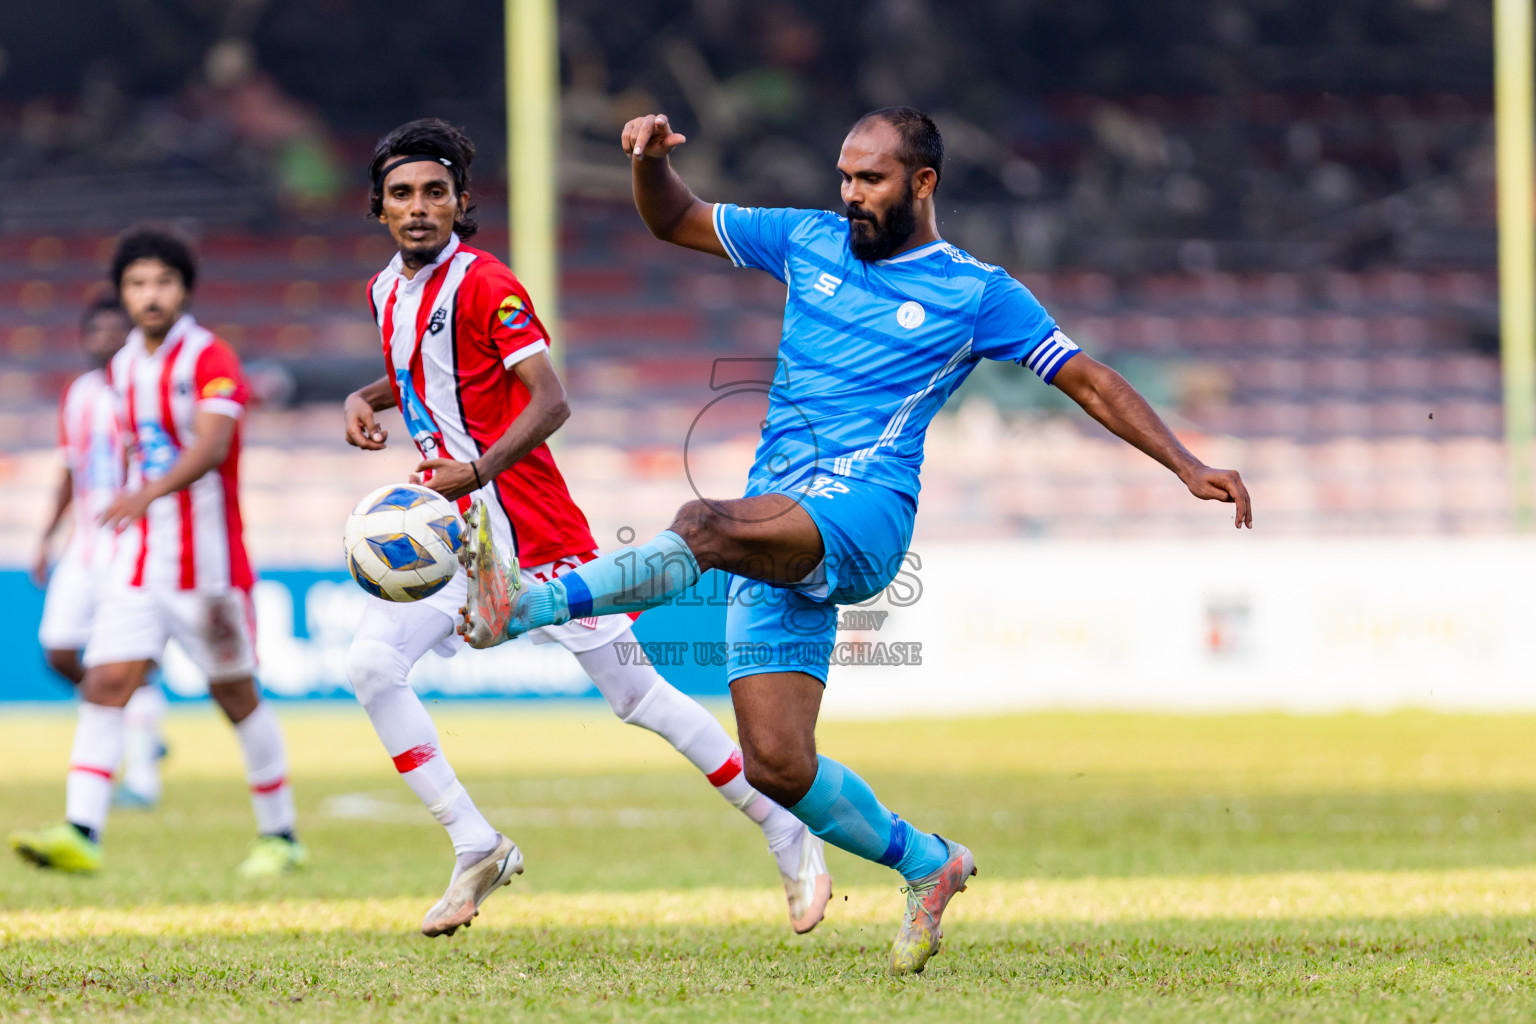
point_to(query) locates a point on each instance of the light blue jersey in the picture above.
(872, 350)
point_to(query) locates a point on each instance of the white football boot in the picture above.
(810, 888)
(493, 582)
(470, 887)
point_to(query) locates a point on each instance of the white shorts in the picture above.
(403, 618)
(218, 631)
(69, 606)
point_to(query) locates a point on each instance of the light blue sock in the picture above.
(842, 809)
(631, 580)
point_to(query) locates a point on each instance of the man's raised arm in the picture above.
(1110, 399)
(671, 211)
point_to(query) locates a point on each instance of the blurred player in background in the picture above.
(180, 568)
(884, 320)
(92, 475)
(468, 365)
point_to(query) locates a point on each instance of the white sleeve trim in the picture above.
(718, 217)
(533, 348)
(223, 406)
(1050, 354)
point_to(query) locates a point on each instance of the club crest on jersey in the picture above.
(219, 387)
(513, 313)
(911, 315)
(439, 320)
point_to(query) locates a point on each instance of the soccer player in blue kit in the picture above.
(883, 320)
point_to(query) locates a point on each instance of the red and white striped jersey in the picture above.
(91, 451)
(452, 334)
(192, 539)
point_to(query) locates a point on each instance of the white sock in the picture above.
(266, 770)
(642, 697)
(378, 676)
(142, 720)
(97, 749)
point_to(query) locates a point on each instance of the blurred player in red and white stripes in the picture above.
(180, 568)
(92, 454)
(468, 364)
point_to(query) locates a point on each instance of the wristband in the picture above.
(478, 483)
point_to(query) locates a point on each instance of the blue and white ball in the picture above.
(402, 542)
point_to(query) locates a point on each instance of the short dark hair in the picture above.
(921, 143)
(104, 301)
(154, 243)
(429, 136)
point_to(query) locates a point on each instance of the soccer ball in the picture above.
(402, 542)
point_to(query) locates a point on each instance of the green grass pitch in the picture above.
(1133, 867)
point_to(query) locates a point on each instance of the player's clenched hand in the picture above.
(448, 477)
(651, 136)
(126, 509)
(362, 431)
(1222, 485)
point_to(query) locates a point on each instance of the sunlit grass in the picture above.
(1138, 868)
(1272, 752)
(1296, 896)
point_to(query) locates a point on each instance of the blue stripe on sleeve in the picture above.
(1050, 375)
(1050, 355)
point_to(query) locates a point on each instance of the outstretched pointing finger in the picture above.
(643, 133)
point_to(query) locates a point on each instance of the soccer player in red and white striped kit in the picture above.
(467, 363)
(180, 567)
(90, 449)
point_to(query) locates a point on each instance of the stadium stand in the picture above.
(1292, 257)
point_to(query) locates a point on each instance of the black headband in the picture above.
(378, 180)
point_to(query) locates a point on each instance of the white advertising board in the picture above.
(1238, 623)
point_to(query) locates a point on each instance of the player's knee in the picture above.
(625, 699)
(67, 664)
(108, 685)
(373, 667)
(624, 683)
(237, 698)
(782, 772)
(702, 526)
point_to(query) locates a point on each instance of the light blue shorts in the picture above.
(865, 531)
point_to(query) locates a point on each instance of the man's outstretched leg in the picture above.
(391, 639)
(639, 695)
(768, 537)
(776, 718)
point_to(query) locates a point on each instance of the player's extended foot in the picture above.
(810, 887)
(128, 799)
(140, 788)
(61, 847)
(918, 937)
(273, 855)
(470, 887)
(493, 583)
